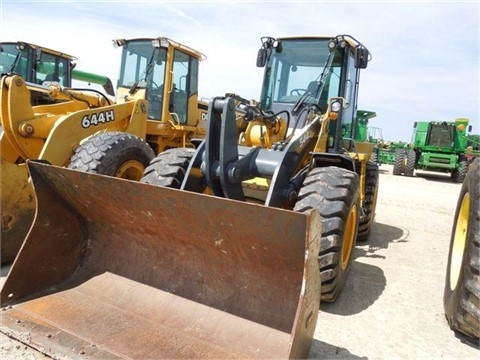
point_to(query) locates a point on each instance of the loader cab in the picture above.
(294, 67)
(36, 64)
(163, 72)
(312, 70)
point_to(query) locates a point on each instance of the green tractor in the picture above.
(437, 146)
(387, 150)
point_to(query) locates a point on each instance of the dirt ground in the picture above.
(392, 304)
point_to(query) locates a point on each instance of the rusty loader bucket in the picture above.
(113, 268)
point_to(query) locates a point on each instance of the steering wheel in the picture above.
(298, 91)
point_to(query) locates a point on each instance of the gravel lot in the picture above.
(392, 304)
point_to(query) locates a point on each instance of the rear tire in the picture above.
(410, 163)
(370, 202)
(168, 168)
(462, 284)
(114, 154)
(334, 192)
(399, 164)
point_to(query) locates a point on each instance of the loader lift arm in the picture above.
(227, 165)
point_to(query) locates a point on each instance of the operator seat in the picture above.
(52, 77)
(313, 87)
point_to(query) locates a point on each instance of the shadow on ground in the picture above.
(381, 237)
(364, 286)
(366, 282)
(322, 350)
(437, 177)
(473, 343)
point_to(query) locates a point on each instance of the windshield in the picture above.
(13, 60)
(441, 135)
(22, 62)
(143, 66)
(297, 69)
(142, 63)
(53, 68)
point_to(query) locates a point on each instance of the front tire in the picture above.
(410, 163)
(460, 172)
(374, 157)
(462, 284)
(399, 162)
(114, 154)
(168, 168)
(334, 192)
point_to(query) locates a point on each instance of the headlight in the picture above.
(336, 106)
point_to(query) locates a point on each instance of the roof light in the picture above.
(160, 42)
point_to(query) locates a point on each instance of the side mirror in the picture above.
(361, 58)
(261, 57)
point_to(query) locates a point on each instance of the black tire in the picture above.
(410, 163)
(461, 298)
(114, 154)
(460, 172)
(399, 164)
(370, 202)
(168, 168)
(374, 157)
(334, 192)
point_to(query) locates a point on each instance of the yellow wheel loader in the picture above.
(157, 108)
(215, 253)
(41, 65)
(297, 149)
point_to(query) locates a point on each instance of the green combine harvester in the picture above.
(362, 131)
(365, 133)
(438, 146)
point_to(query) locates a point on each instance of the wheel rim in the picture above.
(459, 241)
(132, 170)
(349, 237)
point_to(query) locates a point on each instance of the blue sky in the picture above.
(425, 62)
